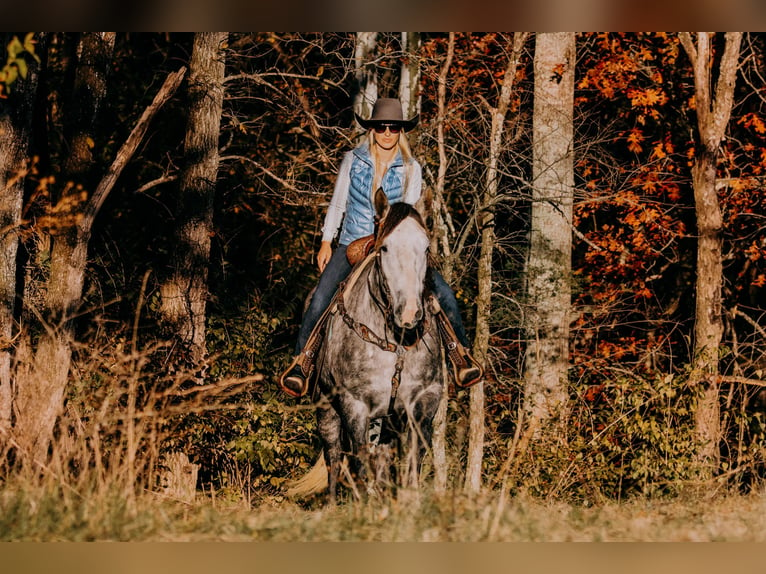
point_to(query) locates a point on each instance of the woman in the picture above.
(382, 160)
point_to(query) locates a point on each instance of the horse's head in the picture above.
(402, 249)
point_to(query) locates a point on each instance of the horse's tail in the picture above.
(315, 480)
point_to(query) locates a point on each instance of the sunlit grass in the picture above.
(57, 514)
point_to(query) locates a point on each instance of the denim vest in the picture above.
(360, 212)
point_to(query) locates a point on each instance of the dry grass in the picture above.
(494, 518)
(55, 513)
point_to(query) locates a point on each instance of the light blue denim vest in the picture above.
(359, 218)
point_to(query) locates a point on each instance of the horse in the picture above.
(382, 356)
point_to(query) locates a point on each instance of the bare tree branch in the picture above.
(129, 148)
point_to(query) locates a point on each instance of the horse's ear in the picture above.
(381, 203)
(424, 203)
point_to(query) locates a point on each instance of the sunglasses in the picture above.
(393, 128)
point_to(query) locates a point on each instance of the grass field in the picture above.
(56, 514)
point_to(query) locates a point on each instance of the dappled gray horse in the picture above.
(381, 359)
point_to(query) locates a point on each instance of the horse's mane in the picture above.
(397, 213)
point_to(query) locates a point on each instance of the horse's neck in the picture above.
(361, 299)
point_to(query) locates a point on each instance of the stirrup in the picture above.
(295, 379)
(466, 371)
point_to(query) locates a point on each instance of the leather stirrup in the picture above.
(466, 370)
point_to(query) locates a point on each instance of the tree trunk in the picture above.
(549, 264)
(15, 130)
(409, 84)
(184, 294)
(713, 113)
(39, 397)
(94, 54)
(484, 297)
(440, 242)
(365, 73)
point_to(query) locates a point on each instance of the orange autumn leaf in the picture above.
(673, 191)
(635, 137)
(658, 151)
(647, 98)
(754, 121)
(643, 293)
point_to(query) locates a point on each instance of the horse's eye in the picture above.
(383, 248)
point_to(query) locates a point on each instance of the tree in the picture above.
(184, 293)
(41, 385)
(40, 396)
(366, 89)
(632, 262)
(409, 81)
(439, 240)
(548, 273)
(486, 221)
(15, 133)
(713, 113)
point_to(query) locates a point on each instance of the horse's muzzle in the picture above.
(409, 317)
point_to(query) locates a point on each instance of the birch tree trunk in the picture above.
(15, 130)
(549, 263)
(409, 82)
(484, 297)
(365, 73)
(713, 113)
(184, 293)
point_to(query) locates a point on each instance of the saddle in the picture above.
(360, 248)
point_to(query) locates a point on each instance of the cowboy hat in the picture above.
(388, 111)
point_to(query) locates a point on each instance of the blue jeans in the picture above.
(338, 269)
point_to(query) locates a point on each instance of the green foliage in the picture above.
(636, 436)
(623, 438)
(260, 441)
(241, 340)
(275, 440)
(16, 64)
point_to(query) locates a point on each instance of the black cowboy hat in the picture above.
(388, 111)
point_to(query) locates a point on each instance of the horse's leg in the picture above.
(329, 425)
(418, 431)
(357, 425)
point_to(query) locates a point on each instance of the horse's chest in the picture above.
(370, 374)
(364, 366)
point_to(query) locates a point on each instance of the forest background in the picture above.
(162, 202)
